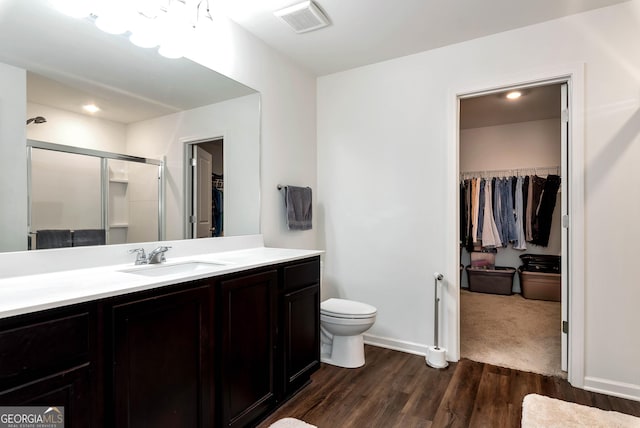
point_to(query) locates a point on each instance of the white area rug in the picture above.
(511, 331)
(291, 423)
(539, 411)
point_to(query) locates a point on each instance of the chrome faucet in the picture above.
(156, 256)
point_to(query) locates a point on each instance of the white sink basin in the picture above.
(175, 268)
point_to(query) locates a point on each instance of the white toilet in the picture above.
(342, 323)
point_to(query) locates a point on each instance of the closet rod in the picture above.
(512, 172)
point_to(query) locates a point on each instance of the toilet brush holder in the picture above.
(436, 356)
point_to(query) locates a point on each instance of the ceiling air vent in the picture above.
(303, 17)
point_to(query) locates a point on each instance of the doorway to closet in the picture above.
(512, 163)
(205, 187)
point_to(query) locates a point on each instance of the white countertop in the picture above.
(30, 293)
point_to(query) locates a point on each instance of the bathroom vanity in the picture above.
(190, 348)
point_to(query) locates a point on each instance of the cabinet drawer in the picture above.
(43, 346)
(302, 274)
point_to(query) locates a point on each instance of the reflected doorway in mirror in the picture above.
(206, 183)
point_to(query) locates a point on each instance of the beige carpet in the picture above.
(511, 331)
(539, 411)
(291, 423)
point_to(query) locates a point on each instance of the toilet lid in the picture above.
(342, 308)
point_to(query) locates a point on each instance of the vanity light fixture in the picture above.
(513, 95)
(167, 24)
(91, 108)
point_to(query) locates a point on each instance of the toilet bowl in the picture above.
(342, 323)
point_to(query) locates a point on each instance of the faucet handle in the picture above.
(141, 257)
(157, 255)
(163, 250)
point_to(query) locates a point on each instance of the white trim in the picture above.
(576, 208)
(574, 74)
(610, 387)
(396, 345)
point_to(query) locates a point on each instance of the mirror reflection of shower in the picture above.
(37, 119)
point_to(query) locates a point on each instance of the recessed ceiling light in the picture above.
(513, 95)
(91, 108)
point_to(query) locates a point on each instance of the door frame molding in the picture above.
(573, 74)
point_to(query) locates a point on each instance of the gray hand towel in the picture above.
(298, 203)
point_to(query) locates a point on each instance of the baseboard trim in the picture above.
(396, 345)
(610, 387)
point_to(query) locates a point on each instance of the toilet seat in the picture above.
(346, 309)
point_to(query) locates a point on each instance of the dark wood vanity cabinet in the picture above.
(49, 359)
(246, 328)
(162, 363)
(300, 323)
(219, 352)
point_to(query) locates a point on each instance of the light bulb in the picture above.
(514, 95)
(170, 50)
(144, 32)
(143, 40)
(113, 16)
(91, 108)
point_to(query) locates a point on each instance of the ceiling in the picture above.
(369, 31)
(536, 103)
(35, 37)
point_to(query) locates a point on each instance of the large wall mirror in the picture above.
(151, 107)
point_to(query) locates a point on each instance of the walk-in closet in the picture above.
(511, 174)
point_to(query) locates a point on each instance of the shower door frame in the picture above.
(104, 178)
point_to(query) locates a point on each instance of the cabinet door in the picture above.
(70, 389)
(301, 318)
(36, 346)
(49, 359)
(247, 341)
(161, 361)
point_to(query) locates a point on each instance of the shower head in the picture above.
(37, 119)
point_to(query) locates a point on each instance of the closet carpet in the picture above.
(511, 331)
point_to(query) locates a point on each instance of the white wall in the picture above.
(383, 167)
(13, 165)
(73, 129)
(238, 121)
(516, 145)
(288, 125)
(142, 196)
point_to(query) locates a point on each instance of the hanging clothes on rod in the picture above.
(498, 209)
(514, 172)
(217, 198)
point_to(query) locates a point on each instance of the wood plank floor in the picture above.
(396, 389)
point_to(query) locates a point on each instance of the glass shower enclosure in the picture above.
(80, 196)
